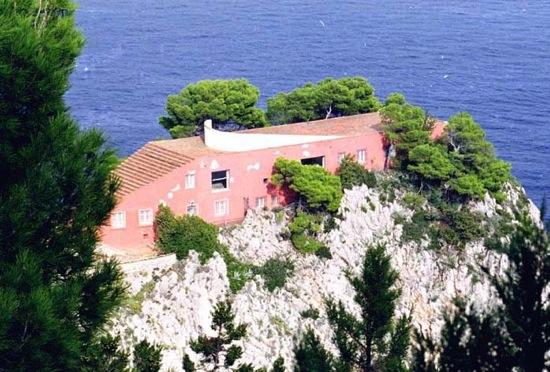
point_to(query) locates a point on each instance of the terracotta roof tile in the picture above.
(146, 165)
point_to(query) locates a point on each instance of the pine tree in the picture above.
(56, 190)
(311, 355)
(515, 335)
(105, 355)
(376, 341)
(218, 351)
(146, 357)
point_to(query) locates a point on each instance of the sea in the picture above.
(488, 57)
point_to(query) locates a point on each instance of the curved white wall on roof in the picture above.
(235, 141)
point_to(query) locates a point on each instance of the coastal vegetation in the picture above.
(323, 100)
(513, 335)
(316, 187)
(219, 350)
(378, 341)
(56, 191)
(222, 101)
(232, 104)
(57, 296)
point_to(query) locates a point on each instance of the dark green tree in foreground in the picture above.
(217, 351)
(147, 357)
(105, 355)
(56, 191)
(311, 355)
(516, 334)
(222, 101)
(376, 341)
(325, 99)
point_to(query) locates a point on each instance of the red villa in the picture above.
(221, 175)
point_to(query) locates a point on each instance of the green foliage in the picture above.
(311, 355)
(275, 273)
(474, 157)
(181, 234)
(326, 99)
(222, 101)
(320, 189)
(105, 354)
(56, 190)
(377, 340)
(310, 313)
(413, 200)
(352, 173)
(219, 350)
(461, 161)
(515, 334)
(278, 365)
(187, 364)
(406, 127)
(184, 233)
(146, 357)
(431, 162)
(323, 252)
(134, 302)
(444, 224)
(303, 230)
(238, 272)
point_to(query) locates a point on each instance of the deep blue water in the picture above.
(490, 57)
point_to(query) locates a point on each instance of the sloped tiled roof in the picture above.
(146, 165)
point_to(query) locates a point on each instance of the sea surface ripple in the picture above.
(491, 58)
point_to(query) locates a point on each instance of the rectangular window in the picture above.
(192, 209)
(118, 220)
(361, 156)
(145, 217)
(221, 207)
(318, 160)
(274, 200)
(260, 202)
(190, 181)
(341, 156)
(219, 180)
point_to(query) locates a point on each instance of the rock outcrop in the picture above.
(175, 305)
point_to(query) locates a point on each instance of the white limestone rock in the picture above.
(178, 307)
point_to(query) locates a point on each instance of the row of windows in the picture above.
(145, 216)
(220, 179)
(361, 156)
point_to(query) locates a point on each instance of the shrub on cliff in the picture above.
(181, 234)
(274, 272)
(325, 99)
(352, 173)
(303, 229)
(315, 185)
(222, 101)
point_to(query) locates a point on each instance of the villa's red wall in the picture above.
(247, 173)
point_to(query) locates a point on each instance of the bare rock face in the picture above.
(176, 305)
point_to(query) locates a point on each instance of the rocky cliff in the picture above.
(172, 305)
